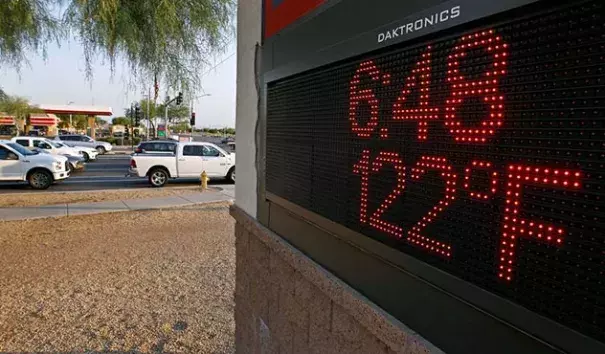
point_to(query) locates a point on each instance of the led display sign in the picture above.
(480, 152)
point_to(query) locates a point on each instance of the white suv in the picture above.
(40, 170)
(56, 147)
(86, 141)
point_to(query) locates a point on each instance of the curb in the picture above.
(212, 189)
(109, 211)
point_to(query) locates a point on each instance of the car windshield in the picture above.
(20, 149)
(53, 143)
(41, 151)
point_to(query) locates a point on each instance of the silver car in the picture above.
(86, 141)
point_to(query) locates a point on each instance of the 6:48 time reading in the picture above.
(513, 174)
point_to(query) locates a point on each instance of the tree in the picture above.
(176, 114)
(180, 127)
(121, 121)
(25, 25)
(171, 40)
(16, 106)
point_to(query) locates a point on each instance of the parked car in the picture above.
(228, 140)
(156, 147)
(56, 147)
(89, 154)
(231, 146)
(76, 163)
(188, 161)
(40, 170)
(102, 147)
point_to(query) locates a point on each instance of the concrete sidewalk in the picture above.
(51, 211)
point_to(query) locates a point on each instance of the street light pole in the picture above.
(71, 124)
(191, 108)
(148, 112)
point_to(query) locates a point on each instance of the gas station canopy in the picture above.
(82, 110)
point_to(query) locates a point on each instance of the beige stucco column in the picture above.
(92, 126)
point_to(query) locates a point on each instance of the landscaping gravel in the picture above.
(150, 282)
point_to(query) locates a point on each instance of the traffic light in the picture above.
(192, 120)
(179, 98)
(137, 116)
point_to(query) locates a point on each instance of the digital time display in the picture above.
(480, 152)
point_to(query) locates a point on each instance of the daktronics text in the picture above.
(419, 24)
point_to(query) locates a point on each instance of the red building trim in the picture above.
(284, 13)
(7, 120)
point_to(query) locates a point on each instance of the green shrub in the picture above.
(110, 140)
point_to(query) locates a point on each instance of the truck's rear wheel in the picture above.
(40, 179)
(158, 177)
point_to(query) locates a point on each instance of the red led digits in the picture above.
(357, 96)
(419, 79)
(363, 168)
(393, 159)
(485, 87)
(483, 165)
(449, 175)
(514, 226)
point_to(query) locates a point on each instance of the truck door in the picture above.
(39, 143)
(10, 166)
(190, 162)
(215, 163)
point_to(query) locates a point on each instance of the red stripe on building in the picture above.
(43, 121)
(7, 121)
(285, 13)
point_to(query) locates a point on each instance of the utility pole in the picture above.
(148, 112)
(132, 115)
(190, 115)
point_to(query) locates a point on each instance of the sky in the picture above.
(61, 78)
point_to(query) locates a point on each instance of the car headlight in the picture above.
(58, 165)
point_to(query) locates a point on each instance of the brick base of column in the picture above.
(287, 303)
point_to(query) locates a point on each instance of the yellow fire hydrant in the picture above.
(204, 180)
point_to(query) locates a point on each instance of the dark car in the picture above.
(227, 140)
(157, 147)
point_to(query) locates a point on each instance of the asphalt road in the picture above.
(107, 172)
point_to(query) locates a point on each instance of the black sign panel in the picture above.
(481, 153)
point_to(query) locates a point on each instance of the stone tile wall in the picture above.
(286, 303)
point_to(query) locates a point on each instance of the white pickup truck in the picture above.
(39, 170)
(188, 161)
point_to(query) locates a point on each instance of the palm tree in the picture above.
(3, 95)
